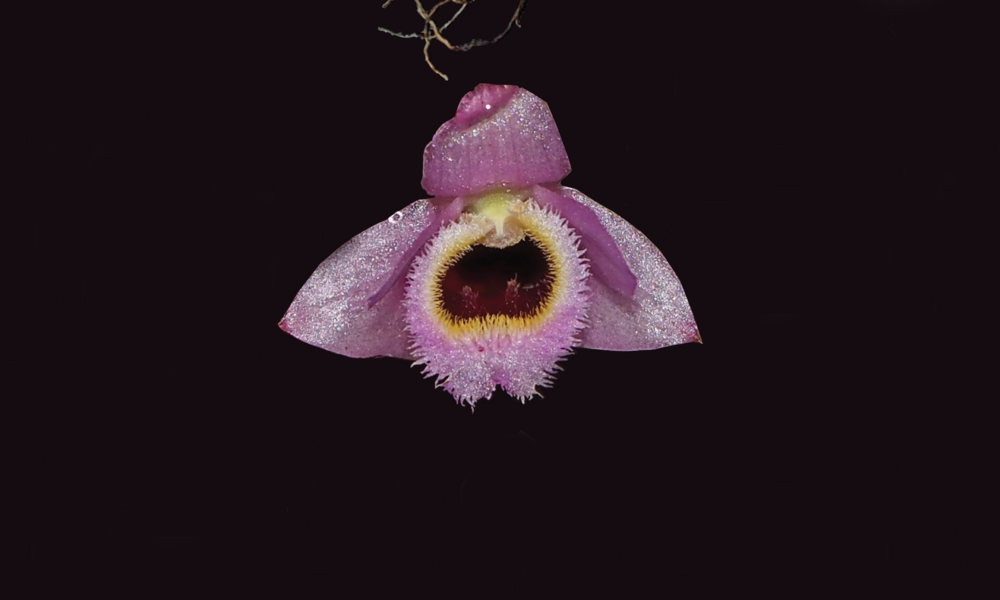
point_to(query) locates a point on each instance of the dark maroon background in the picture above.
(797, 163)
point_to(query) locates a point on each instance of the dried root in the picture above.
(432, 31)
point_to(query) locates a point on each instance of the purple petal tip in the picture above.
(482, 102)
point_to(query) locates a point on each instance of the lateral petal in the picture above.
(444, 214)
(331, 310)
(606, 260)
(657, 315)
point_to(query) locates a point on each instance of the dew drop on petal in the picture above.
(396, 217)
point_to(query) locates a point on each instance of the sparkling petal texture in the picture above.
(331, 310)
(398, 288)
(657, 315)
(501, 136)
(448, 213)
(470, 360)
(606, 260)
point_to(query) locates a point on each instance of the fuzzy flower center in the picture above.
(497, 298)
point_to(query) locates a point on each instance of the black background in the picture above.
(791, 160)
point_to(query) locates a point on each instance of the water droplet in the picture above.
(396, 217)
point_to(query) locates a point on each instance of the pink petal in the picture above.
(606, 261)
(501, 136)
(442, 215)
(331, 310)
(657, 315)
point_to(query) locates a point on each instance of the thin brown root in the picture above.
(432, 31)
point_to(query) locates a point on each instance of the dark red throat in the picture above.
(513, 281)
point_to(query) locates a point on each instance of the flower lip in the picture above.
(502, 270)
(489, 341)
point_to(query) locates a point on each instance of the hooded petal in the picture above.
(501, 136)
(657, 314)
(331, 310)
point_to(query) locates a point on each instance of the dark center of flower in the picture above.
(513, 281)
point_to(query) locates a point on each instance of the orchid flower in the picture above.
(496, 278)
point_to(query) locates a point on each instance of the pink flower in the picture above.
(496, 278)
